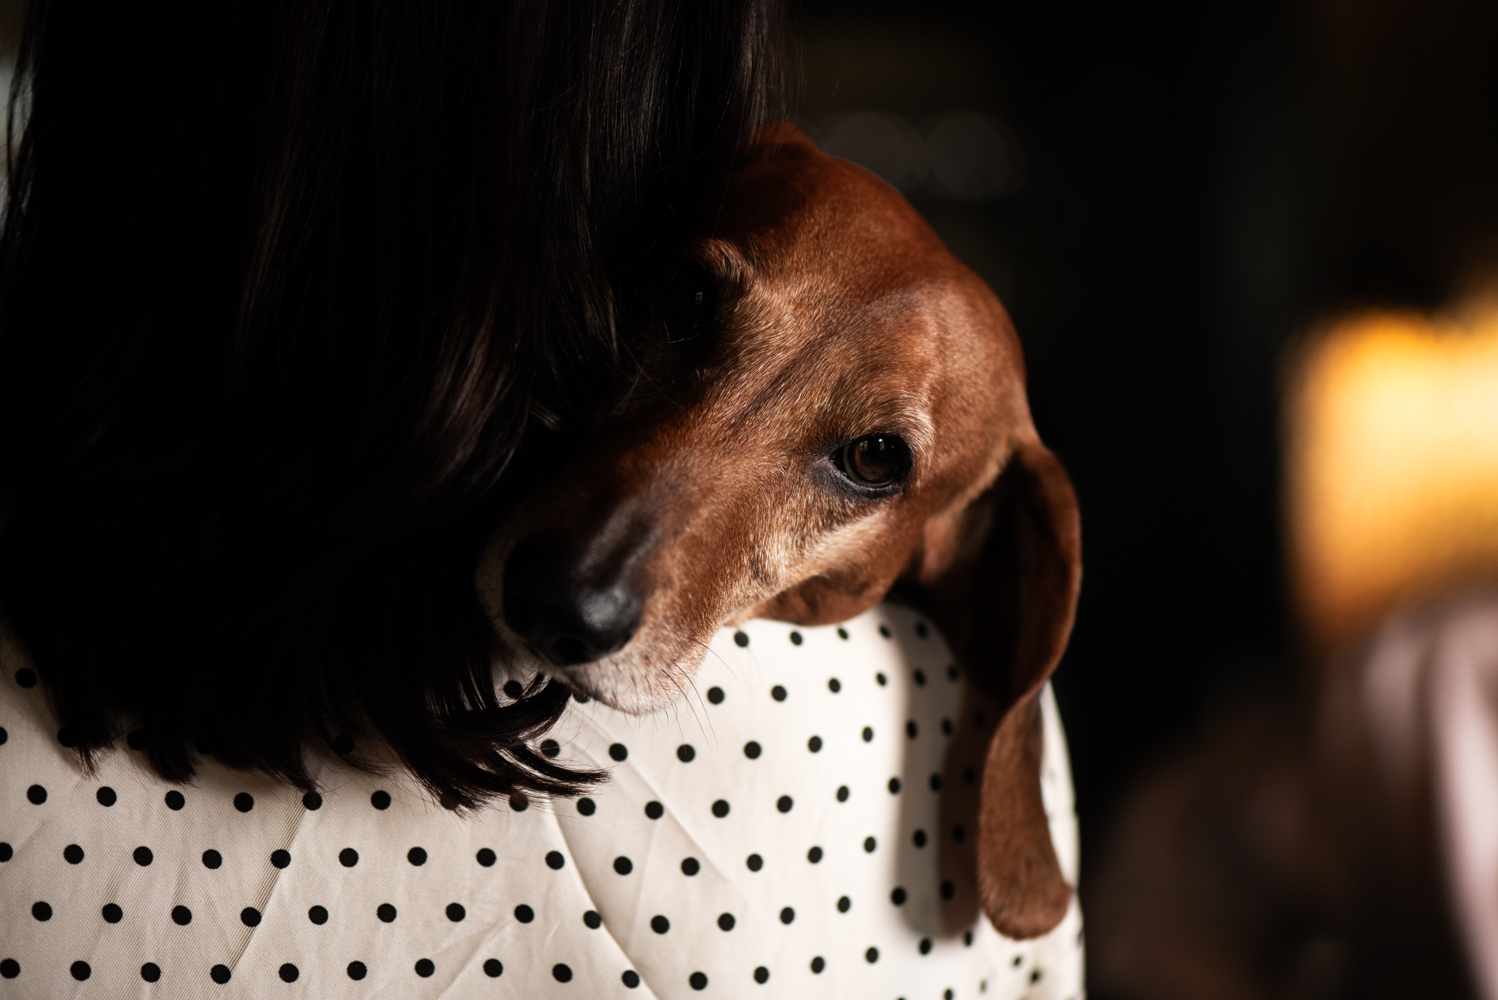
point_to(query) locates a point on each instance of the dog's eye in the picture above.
(692, 303)
(875, 460)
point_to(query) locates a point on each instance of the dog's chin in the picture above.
(642, 677)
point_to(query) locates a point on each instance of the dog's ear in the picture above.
(1003, 576)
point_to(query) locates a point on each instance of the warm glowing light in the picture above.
(1392, 464)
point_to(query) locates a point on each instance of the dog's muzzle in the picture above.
(567, 609)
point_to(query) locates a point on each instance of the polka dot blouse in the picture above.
(799, 825)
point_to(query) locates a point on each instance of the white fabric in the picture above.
(550, 858)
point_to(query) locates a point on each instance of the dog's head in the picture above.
(847, 410)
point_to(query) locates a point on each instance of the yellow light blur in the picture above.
(1392, 462)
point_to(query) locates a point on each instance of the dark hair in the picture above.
(294, 299)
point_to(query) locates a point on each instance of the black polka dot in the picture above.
(586, 806)
(919, 838)
(910, 729)
(946, 727)
(550, 748)
(969, 776)
(936, 782)
(72, 854)
(220, 974)
(920, 678)
(348, 857)
(787, 915)
(318, 915)
(455, 912)
(80, 971)
(36, 795)
(181, 916)
(869, 843)
(174, 800)
(1018, 959)
(289, 973)
(784, 803)
(720, 808)
(10, 968)
(386, 913)
(715, 695)
(418, 856)
(343, 744)
(561, 973)
(978, 718)
(281, 857)
(26, 677)
(725, 921)
(425, 967)
(762, 974)
(513, 689)
(41, 911)
(868, 734)
(659, 924)
(519, 802)
(312, 801)
(884, 631)
(871, 956)
(493, 968)
(630, 978)
(485, 857)
(814, 744)
(741, 639)
(842, 793)
(697, 980)
(898, 896)
(66, 738)
(654, 810)
(894, 786)
(135, 739)
(618, 751)
(796, 639)
(380, 799)
(921, 630)
(690, 866)
(754, 862)
(818, 964)
(752, 750)
(249, 916)
(244, 802)
(623, 865)
(592, 920)
(685, 753)
(143, 856)
(357, 970)
(1035, 976)
(880, 679)
(112, 913)
(106, 796)
(554, 860)
(959, 833)
(814, 855)
(524, 914)
(580, 698)
(778, 693)
(948, 890)
(953, 673)
(150, 972)
(212, 858)
(925, 946)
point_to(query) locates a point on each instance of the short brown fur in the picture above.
(842, 315)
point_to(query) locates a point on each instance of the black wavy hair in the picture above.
(295, 299)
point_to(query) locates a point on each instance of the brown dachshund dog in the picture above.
(848, 413)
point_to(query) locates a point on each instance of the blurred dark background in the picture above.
(1165, 195)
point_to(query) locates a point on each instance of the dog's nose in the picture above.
(563, 613)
